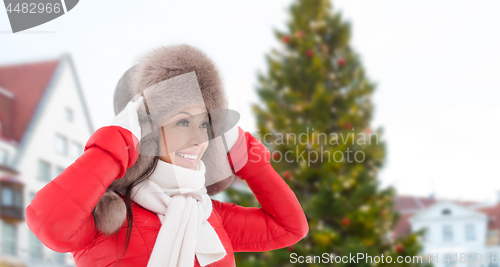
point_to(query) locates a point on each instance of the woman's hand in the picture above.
(280, 221)
(129, 119)
(248, 156)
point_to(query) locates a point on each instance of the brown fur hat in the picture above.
(159, 65)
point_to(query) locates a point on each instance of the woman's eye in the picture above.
(205, 125)
(183, 122)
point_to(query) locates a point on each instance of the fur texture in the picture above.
(110, 201)
(159, 65)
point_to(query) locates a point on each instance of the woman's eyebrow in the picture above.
(185, 112)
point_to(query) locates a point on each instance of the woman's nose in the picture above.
(197, 136)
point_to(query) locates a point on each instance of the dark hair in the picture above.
(128, 204)
(128, 197)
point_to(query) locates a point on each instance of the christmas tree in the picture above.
(315, 119)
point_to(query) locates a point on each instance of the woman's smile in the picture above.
(188, 158)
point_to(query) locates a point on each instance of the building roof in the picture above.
(22, 87)
(494, 216)
(408, 206)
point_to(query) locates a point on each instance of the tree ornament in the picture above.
(291, 248)
(300, 34)
(309, 53)
(346, 221)
(364, 208)
(312, 24)
(286, 39)
(269, 125)
(341, 62)
(320, 24)
(320, 225)
(317, 38)
(332, 76)
(348, 125)
(276, 155)
(399, 248)
(302, 164)
(287, 175)
(324, 49)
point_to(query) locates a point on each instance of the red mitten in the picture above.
(248, 155)
(118, 142)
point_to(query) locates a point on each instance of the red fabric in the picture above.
(60, 215)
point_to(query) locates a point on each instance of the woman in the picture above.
(114, 206)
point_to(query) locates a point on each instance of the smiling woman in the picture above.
(151, 206)
(184, 137)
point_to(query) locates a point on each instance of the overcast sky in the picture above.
(436, 63)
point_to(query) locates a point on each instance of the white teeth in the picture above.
(186, 156)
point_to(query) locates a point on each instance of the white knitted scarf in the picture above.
(179, 197)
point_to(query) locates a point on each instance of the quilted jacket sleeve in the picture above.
(280, 221)
(60, 215)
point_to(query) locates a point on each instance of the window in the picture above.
(76, 150)
(470, 233)
(447, 233)
(11, 197)
(44, 171)
(3, 156)
(7, 197)
(446, 212)
(68, 114)
(62, 145)
(36, 247)
(9, 239)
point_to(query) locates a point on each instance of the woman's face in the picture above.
(184, 137)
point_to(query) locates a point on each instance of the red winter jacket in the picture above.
(60, 215)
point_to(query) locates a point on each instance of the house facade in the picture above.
(44, 125)
(456, 233)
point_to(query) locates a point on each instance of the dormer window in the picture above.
(447, 233)
(446, 212)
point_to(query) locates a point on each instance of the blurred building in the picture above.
(44, 125)
(471, 228)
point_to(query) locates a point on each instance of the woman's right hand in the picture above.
(129, 119)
